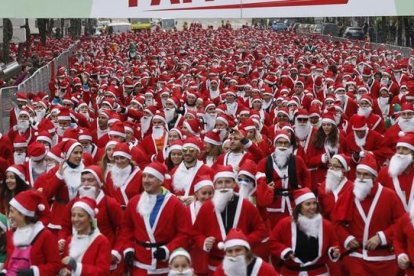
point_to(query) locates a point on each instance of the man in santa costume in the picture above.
(154, 225)
(278, 175)
(404, 124)
(303, 129)
(109, 217)
(21, 101)
(35, 164)
(349, 106)
(404, 242)
(226, 210)
(23, 127)
(124, 179)
(101, 129)
(155, 141)
(19, 150)
(399, 174)
(240, 260)
(374, 121)
(183, 176)
(365, 219)
(305, 242)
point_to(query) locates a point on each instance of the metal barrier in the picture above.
(38, 81)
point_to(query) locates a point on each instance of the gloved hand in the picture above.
(129, 258)
(25, 272)
(160, 254)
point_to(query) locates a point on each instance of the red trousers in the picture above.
(359, 267)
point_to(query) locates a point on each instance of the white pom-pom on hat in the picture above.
(220, 245)
(401, 134)
(362, 153)
(41, 207)
(96, 211)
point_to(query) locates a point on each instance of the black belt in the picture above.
(283, 192)
(304, 268)
(150, 244)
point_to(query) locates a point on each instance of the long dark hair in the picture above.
(320, 137)
(296, 211)
(6, 195)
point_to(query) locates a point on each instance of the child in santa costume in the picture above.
(239, 259)
(88, 252)
(31, 248)
(180, 263)
(305, 242)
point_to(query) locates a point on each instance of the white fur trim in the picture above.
(85, 207)
(304, 197)
(54, 157)
(236, 242)
(211, 141)
(179, 252)
(85, 137)
(17, 172)
(94, 174)
(401, 134)
(382, 237)
(347, 240)
(123, 154)
(20, 145)
(44, 139)
(38, 158)
(191, 145)
(367, 168)
(330, 253)
(328, 121)
(78, 270)
(64, 118)
(154, 172)
(35, 269)
(116, 254)
(72, 148)
(407, 145)
(128, 250)
(111, 132)
(342, 161)
(249, 174)
(167, 253)
(202, 184)
(248, 145)
(21, 209)
(365, 127)
(224, 174)
(281, 136)
(284, 252)
(156, 116)
(219, 118)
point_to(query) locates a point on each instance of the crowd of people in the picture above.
(213, 152)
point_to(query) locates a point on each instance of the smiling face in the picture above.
(17, 219)
(309, 208)
(76, 156)
(10, 181)
(81, 220)
(151, 184)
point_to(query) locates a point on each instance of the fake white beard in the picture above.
(22, 125)
(245, 188)
(210, 120)
(145, 124)
(384, 82)
(87, 191)
(360, 141)
(362, 188)
(302, 130)
(333, 178)
(169, 114)
(72, 178)
(120, 176)
(60, 131)
(281, 156)
(364, 111)
(88, 148)
(221, 198)
(186, 272)
(310, 226)
(406, 125)
(235, 266)
(50, 166)
(231, 108)
(223, 134)
(39, 167)
(19, 158)
(398, 164)
(39, 115)
(157, 132)
(78, 245)
(383, 101)
(146, 204)
(337, 119)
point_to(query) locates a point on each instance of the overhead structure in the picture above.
(203, 8)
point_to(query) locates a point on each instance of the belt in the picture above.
(304, 268)
(150, 244)
(283, 192)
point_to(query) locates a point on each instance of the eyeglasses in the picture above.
(334, 167)
(282, 144)
(303, 120)
(189, 150)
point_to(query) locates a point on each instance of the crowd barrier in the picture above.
(38, 81)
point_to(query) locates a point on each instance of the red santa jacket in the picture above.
(283, 238)
(96, 260)
(210, 223)
(404, 240)
(260, 268)
(327, 200)
(361, 220)
(44, 254)
(182, 179)
(132, 187)
(171, 230)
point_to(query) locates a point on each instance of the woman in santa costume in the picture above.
(239, 259)
(65, 181)
(88, 252)
(305, 241)
(124, 180)
(31, 248)
(325, 144)
(13, 184)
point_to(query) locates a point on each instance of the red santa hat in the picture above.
(213, 137)
(122, 149)
(84, 134)
(24, 111)
(302, 195)
(248, 168)
(328, 118)
(70, 133)
(156, 169)
(226, 119)
(18, 170)
(344, 160)
(224, 171)
(179, 252)
(44, 136)
(406, 141)
(175, 145)
(36, 151)
(64, 115)
(69, 146)
(236, 237)
(105, 112)
(96, 171)
(29, 203)
(192, 142)
(302, 113)
(117, 129)
(87, 204)
(56, 152)
(178, 132)
(281, 134)
(21, 97)
(359, 123)
(202, 181)
(193, 126)
(159, 115)
(368, 163)
(248, 124)
(366, 98)
(20, 141)
(407, 106)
